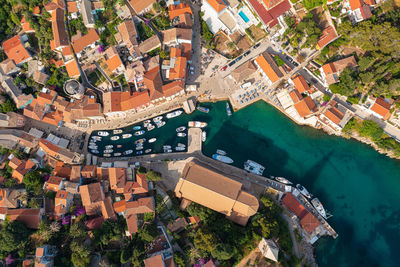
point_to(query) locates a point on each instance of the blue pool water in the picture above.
(243, 16)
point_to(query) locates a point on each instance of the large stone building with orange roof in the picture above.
(60, 38)
(15, 49)
(381, 108)
(300, 84)
(329, 34)
(141, 6)
(114, 62)
(359, 10)
(82, 42)
(268, 67)
(305, 106)
(20, 167)
(335, 115)
(330, 72)
(59, 153)
(95, 202)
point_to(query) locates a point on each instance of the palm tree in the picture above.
(55, 227)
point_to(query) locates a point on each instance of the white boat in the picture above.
(103, 133)
(138, 127)
(108, 151)
(115, 138)
(223, 159)
(117, 131)
(228, 109)
(180, 148)
(166, 147)
(152, 140)
(181, 134)
(124, 136)
(140, 141)
(139, 147)
(117, 154)
(254, 167)
(145, 124)
(159, 118)
(150, 127)
(160, 124)
(139, 132)
(221, 152)
(203, 136)
(180, 144)
(174, 114)
(130, 151)
(108, 146)
(92, 143)
(167, 150)
(203, 109)
(107, 155)
(147, 151)
(180, 129)
(93, 147)
(197, 124)
(318, 206)
(303, 191)
(283, 180)
(95, 151)
(96, 138)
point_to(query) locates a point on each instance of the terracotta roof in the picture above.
(271, 3)
(155, 261)
(75, 174)
(292, 204)
(8, 198)
(8, 65)
(268, 65)
(107, 209)
(333, 113)
(355, 4)
(88, 171)
(300, 83)
(131, 222)
(149, 44)
(91, 194)
(81, 43)
(243, 71)
(173, 34)
(328, 35)
(332, 70)
(128, 32)
(218, 5)
(15, 50)
(172, 88)
(53, 183)
(40, 77)
(305, 107)
(295, 96)
(30, 217)
(178, 224)
(140, 206)
(112, 58)
(119, 206)
(36, 10)
(72, 68)
(72, 7)
(370, 2)
(141, 5)
(309, 222)
(381, 107)
(179, 70)
(94, 223)
(122, 101)
(187, 50)
(62, 170)
(117, 177)
(60, 37)
(366, 12)
(179, 9)
(55, 4)
(329, 68)
(153, 82)
(269, 17)
(185, 20)
(26, 26)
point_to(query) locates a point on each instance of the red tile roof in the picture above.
(292, 204)
(86, 40)
(177, 10)
(30, 217)
(60, 37)
(305, 107)
(300, 83)
(328, 35)
(309, 222)
(270, 17)
(15, 50)
(72, 68)
(217, 5)
(381, 107)
(354, 4)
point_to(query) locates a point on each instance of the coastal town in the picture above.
(89, 87)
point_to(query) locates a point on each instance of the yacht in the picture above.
(96, 138)
(180, 148)
(137, 127)
(150, 127)
(115, 138)
(159, 118)
(318, 206)
(103, 133)
(139, 132)
(108, 146)
(140, 141)
(303, 191)
(107, 155)
(228, 109)
(117, 154)
(223, 159)
(93, 147)
(128, 152)
(92, 144)
(283, 180)
(254, 167)
(181, 134)
(221, 152)
(139, 147)
(152, 140)
(180, 129)
(180, 144)
(197, 124)
(166, 147)
(145, 124)
(125, 136)
(147, 150)
(167, 150)
(174, 114)
(203, 136)
(108, 151)
(117, 131)
(160, 124)
(203, 109)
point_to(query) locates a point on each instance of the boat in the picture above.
(152, 140)
(203, 136)
(203, 109)
(254, 167)
(139, 132)
(181, 134)
(119, 146)
(114, 138)
(180, 144)
(159, 118)
(160, 124)
(139, 141)
(180, 148)
(150, 127)
(103, 133)
(173, 114)
(145, 123)
(318, 206)
(96, 138)
(303, 191)
(139, 152)
(139, 147)
(117, 131)
(117, 154)
(167, 150)
(107, 155)
(93, 147)
(197, 124)
(180, 129)
(223, 159)
(166, 147)
(108, 151)
(95, 151)
(221, 152)
(147, 150)
(124, 136)
(92, 144)
(130, 151)
(138, 127)
(228, 109)
(108, 146)
(283, 180)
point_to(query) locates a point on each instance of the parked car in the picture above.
(224, 68)
(245, 54)
(81, 145)
(257, 45)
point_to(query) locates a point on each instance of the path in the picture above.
(293, 237)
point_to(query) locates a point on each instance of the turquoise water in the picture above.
(360, 187)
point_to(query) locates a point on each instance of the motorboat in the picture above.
(180, 144)
(128, 152)
(180, 148)
(139, 147)
(318, 206)
(103, 133)
(221, 152)
(254, 167)
(119, 146)
(125, 136)
(181, 134)
(150, 127)
(166, 147)
(159, 118)
(303, 191)
(137, 127)
(114, 138)
(174, 114)
(223, 159)
(117, 131)
(203, 109)
(180, 129)
(197, 124)
(147, 150)
(167, 150)
(117, 154)
(203, 136)
(108, 151)
(92, 144)
(160, 124)
(145, 123)
(140, 152)
(95, 151)
(139, 132)
(93, 147)
(108, 146)
(283, 180)
(152, 140)
(140, 141)
(228, 109)
(107, 155)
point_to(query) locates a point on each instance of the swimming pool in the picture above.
(243, 16)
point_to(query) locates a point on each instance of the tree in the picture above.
(8, 106)
(149, 232)
(164, 54)
(179, 259)
(222, 252)
(371, 129)
(153, 176)
(204, 213)
(205, 240)
(269, 228)
(11, 182)
(80, 256)
(77, 230)
(33, 181)
(13, 236)
(141, 170)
